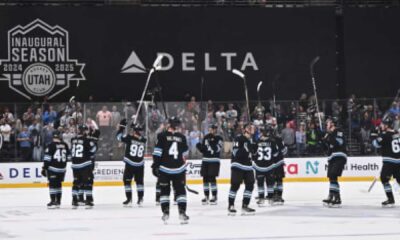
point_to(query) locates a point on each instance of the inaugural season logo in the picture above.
(38, 62)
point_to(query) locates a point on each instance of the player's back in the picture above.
(266, 152)
(57, 154)
(81, 150)
(391, 146)
(171, 147)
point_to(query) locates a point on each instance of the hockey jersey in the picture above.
(389, 143)
(82, 151)
(336, 144)
(56, 156)
(241, 153)
(211, 147)
(168, 152)
(134, 149)
(265, 155)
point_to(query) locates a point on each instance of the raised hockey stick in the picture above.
(156, 66)
(313, 62)
(258, 92)
(242, 76)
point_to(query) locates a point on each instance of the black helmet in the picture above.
(267, 130)
(214, 126)
(82, 129)
(136, 127)
(56, 134)
(388, 121)
(174, 122)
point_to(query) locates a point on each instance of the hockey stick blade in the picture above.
(239, 73)
(259, 86)
(156, 64)
(71, 99)
(191, 190)
(314, 61)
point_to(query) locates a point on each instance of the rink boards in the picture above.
(109, 173)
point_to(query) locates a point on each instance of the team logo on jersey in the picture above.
(38, 62)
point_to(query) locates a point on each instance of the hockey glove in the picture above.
(44, 172)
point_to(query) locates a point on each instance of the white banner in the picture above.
(297, 169)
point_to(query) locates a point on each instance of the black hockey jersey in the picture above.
(241, 153)
(56, 156)
(336, 144)
(389, 143)
(265, 155)
(82, 151)
(134, 149)
(168, 152)
(211, 147)
(282, 151)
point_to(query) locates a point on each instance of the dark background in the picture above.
(283, 41)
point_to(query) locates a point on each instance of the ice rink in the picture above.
(23, 215)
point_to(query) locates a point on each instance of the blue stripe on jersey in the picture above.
(263, 169)
(173, 170)
(132, 163)
(337, 154)
(376, 144)
(241, 166)
(57, 170)
(81, 165)
(391, 160)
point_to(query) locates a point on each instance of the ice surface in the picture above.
(23, 215)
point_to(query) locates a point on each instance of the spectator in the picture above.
(49, 116)
(48, 134)
(395, 109)
(229, 136)
(312, 139)
(8, 116)
(28, 117)
(221, 112)
(38, 115)
(25, 144)
(115, 117)
(231, 114)
(194, 138)
(288, 137)
(303, 101)
(5, 131)
(301, 139)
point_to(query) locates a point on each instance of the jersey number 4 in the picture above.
(173, 150)
(264, 153)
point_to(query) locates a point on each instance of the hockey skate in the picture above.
(213, 200)
(388, 203)
(204, 201)
(326, 202)
(261, 202)
(231, 210)
(52, 205)
(165, 217)
(127, 203)
(140, 202)
(246, 211)
(89, 204)
(75, 204)
(183, 218)
(277, 201)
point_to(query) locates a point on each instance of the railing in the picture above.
(219, 3)
(293, 120)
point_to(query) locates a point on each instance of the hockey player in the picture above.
(210, 147)
(336, 144)
(170, 166)
(279, 171)
(389, 143)
(55, 160)
(82, 154)
(134, 161)
(264, 163)
(242, 170)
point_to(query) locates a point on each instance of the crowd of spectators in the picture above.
(26, 130)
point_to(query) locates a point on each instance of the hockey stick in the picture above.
(258, 92)
(276, 78)
(313, 62)
(156, 66)
(242, 76)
